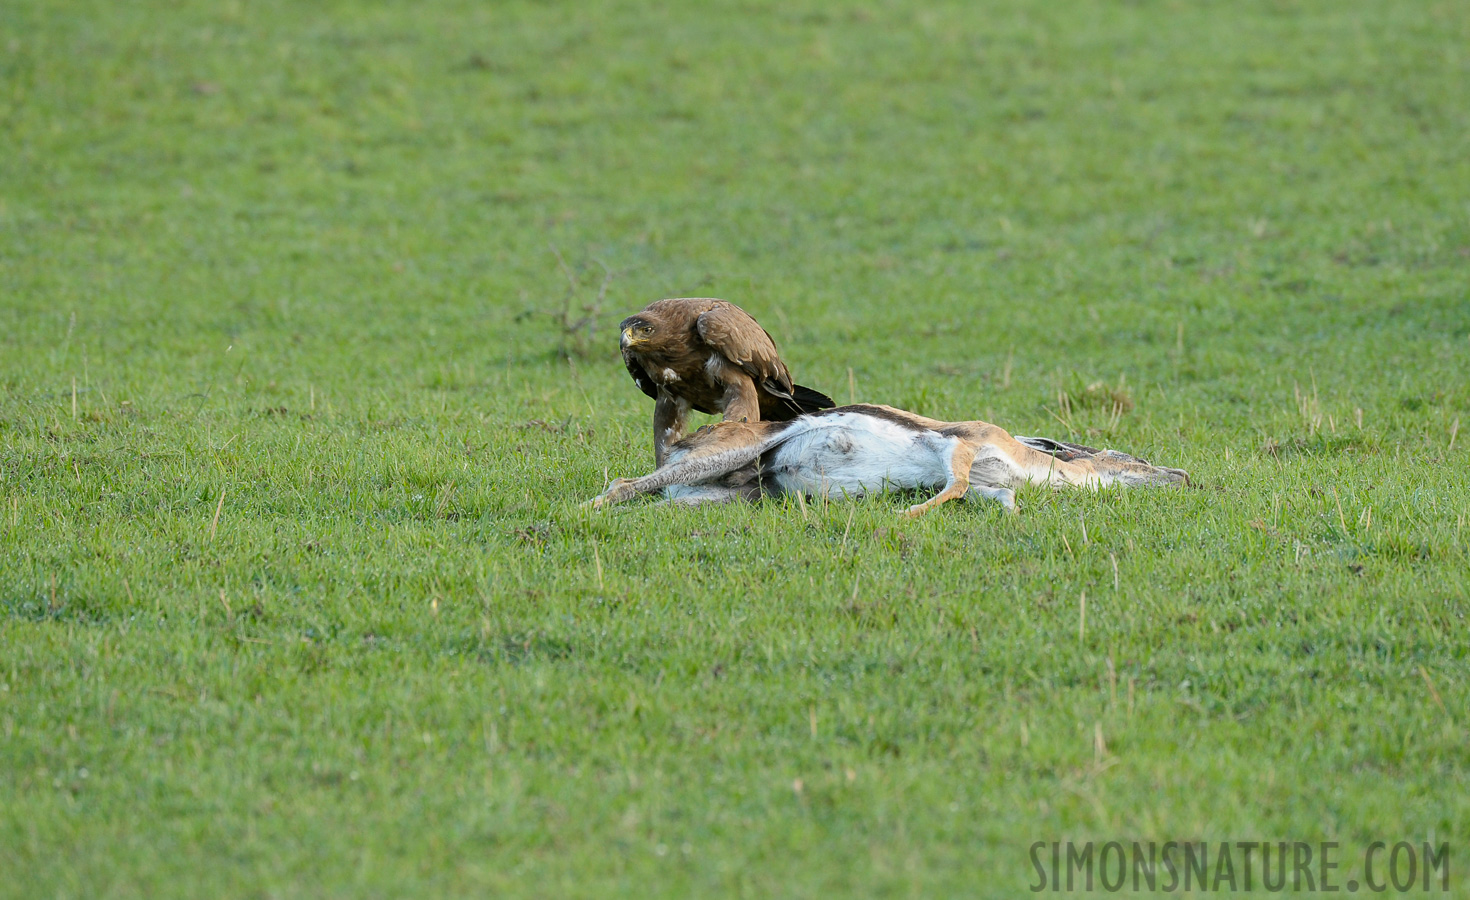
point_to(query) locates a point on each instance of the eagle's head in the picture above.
(636, 330)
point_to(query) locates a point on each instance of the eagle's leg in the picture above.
(670, 419)
(741, 403)
(960, 461)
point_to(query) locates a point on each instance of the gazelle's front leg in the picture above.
(960, 460)
(670, 418)
(720, 449)
(1002, 495)
(711, 493)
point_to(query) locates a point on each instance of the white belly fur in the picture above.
(852, 455)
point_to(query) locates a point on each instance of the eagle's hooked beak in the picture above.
(628, 339)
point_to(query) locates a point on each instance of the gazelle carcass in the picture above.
(854, 450)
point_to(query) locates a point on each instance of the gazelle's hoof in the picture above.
(616, 492)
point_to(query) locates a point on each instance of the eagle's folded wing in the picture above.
(732, 333)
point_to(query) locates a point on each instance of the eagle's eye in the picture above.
(647, 329)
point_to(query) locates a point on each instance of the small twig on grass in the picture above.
(565, 269)
(578, 332)
(1065, 424)
(444, 495)
(213, 526)
(1434, 693)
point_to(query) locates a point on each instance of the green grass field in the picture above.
(296, 596)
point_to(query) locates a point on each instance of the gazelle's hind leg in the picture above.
(1002, 495)
(960, 459)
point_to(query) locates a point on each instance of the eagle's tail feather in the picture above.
(800, 401)
(809, 401)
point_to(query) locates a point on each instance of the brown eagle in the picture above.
(709, 355)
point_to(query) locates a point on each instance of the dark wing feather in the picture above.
(731, 332)
(640, 376)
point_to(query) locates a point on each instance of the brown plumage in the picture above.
(709, 355)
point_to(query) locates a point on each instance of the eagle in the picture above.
(709, 355)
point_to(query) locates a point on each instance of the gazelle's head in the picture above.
(1131, 470)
